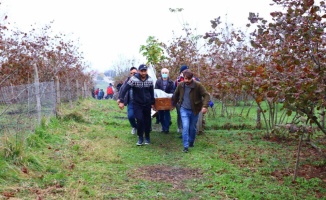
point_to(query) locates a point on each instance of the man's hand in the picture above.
(118, 101)
(121, 106)
(204, 110)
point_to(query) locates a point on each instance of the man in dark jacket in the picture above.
(192, 98)
(167, 86)
(128, 100)
(143, 101)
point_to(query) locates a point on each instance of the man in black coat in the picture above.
(167, 86)
(143, 100)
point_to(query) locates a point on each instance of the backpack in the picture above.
(110, 90)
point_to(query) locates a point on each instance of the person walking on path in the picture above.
(109, 92)
(180, 79)
(192, 98)
(143, 101)
(128, 100)
(166, 85)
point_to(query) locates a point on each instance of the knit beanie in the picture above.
(183, 67)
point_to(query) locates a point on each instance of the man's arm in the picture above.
(206, 96)
(123, 92)
(151, 90)
(176, 94)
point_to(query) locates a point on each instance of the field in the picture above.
(89, 153)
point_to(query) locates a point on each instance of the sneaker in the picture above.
(147, 141)
(140, 142)
(133, 131)
(178, 130)
(191, 144)
(185, 150)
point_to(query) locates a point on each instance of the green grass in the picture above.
(89, 153)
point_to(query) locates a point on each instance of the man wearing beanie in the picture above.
(179, 79)
(193, 99)
(143, 100)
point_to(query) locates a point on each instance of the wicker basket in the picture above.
(163, 103)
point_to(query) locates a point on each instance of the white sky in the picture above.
(108, 29)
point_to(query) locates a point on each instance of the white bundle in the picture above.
(161, 94)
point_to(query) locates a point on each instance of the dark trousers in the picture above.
(179, 122)
(143, 118)
(165, 118)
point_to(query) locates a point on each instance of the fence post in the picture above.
(57, 94)
(69, 92)
(85, 90)
(37, 94)
(77, 89)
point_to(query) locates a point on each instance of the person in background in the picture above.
(100, 94)
(192, 98)
(119, 86)
(96, 92)
(143, 101)
(166, 85)
(109, 92)
(93, 92)
(128, 100)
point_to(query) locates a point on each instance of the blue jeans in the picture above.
(165, 118)
(189, 121)
(131, 115)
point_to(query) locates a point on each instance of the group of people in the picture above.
(99, 93)
(189, 97)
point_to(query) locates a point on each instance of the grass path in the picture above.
(90, 154)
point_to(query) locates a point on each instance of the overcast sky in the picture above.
(107, 29)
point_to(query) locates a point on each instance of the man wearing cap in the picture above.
(193, 99)
(143, 101)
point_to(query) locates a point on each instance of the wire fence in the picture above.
(23, 107)
(19, 110)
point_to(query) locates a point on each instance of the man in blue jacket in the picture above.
(143, 101)
(128, 100)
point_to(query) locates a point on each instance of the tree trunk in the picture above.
(323, 117)
(298, 158)
(258, 120)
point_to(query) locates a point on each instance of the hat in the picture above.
(183, 67)
(142, 67)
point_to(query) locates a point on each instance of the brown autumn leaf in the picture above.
(309, 2)
(279, 68)
(24, 170)
(8, 194)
